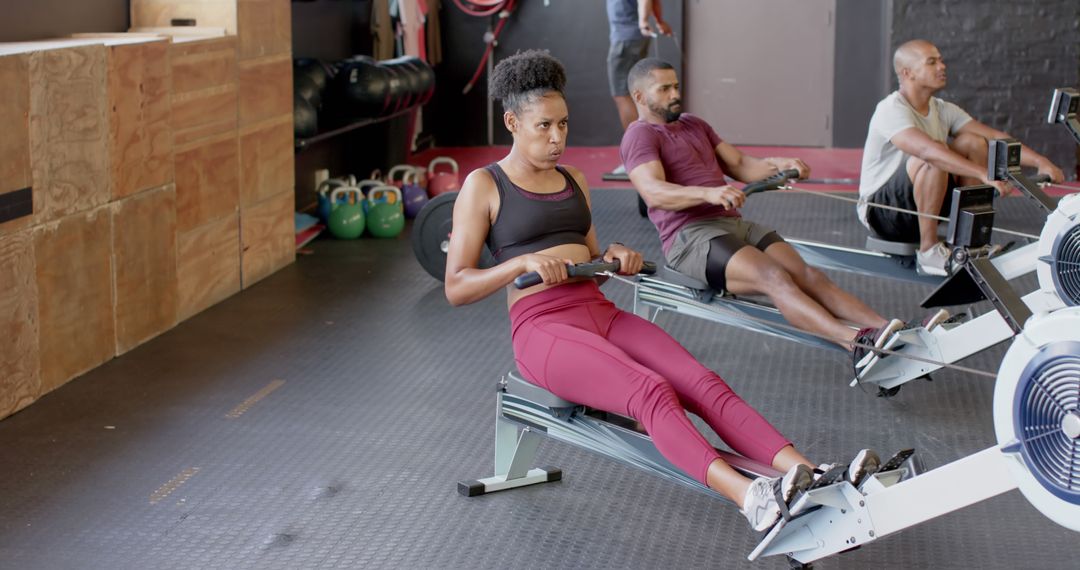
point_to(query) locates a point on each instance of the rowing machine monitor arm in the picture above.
(974, 276)
(1003, 163)
(1063, 109)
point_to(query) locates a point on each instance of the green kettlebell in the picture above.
(386, 214)
(346, 219)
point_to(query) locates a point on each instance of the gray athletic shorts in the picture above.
(620, 58)
(690, 251)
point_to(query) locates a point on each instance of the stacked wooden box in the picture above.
(161, 180)
(264, 154)
(91, 272)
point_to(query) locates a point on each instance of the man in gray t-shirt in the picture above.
(917, 149)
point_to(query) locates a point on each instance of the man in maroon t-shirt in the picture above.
(677, 163)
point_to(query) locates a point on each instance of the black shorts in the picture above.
(621, 57)
(899, 192)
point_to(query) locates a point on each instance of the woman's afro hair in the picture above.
(524, 76)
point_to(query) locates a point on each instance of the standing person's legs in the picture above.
(622, 55)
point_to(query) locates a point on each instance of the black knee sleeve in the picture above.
(721, 249)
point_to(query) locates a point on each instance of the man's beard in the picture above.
(667, 113)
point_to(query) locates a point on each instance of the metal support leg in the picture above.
(514, 454)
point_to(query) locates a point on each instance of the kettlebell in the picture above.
(442, 182)
(323, 194)
(346, 219)
(365, 187)
(386, 217)
(392, 175)
(412, 194)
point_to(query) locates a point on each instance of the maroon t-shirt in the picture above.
(687, 150)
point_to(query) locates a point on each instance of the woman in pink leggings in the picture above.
(534, 215)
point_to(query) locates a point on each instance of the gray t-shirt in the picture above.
(881, 157)
(623, 20)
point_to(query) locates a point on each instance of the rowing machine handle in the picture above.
(771, 183)
(590, 269)
(1041, 179)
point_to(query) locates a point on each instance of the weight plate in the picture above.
(431, 236)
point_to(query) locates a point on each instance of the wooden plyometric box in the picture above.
(208, 265)
(138, 90)
(73, 265)
(16, 202)
(264, 27)
(20, 382)
(144, 266)
(207, 180)
(140, 135)
(266, 160)
(267, 236)
(204, 90)
(265, 89)
(69, 127)
(184, 13)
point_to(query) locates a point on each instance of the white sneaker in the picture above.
(866, 462)
(760, 505)
(933, 261)
(620, 169)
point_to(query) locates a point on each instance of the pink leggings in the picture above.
(576, 344)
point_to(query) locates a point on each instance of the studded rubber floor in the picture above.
(322, 418)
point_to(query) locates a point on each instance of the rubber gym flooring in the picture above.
(322, 418)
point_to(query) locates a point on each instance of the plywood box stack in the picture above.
(86, 144)
(262, 29)
(143, 178)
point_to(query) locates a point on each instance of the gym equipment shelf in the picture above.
(303, 143)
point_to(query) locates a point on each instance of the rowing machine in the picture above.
(1036, 419)
(976, 278)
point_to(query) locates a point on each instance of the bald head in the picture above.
(910, 54)
(919, 67)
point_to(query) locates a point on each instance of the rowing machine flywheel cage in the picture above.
(1037, 413)
(1059, 251)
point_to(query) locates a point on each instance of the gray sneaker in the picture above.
(933, 261)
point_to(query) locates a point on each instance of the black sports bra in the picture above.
(529, 222)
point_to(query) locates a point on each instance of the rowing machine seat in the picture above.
(521, 387)
(891, 247)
